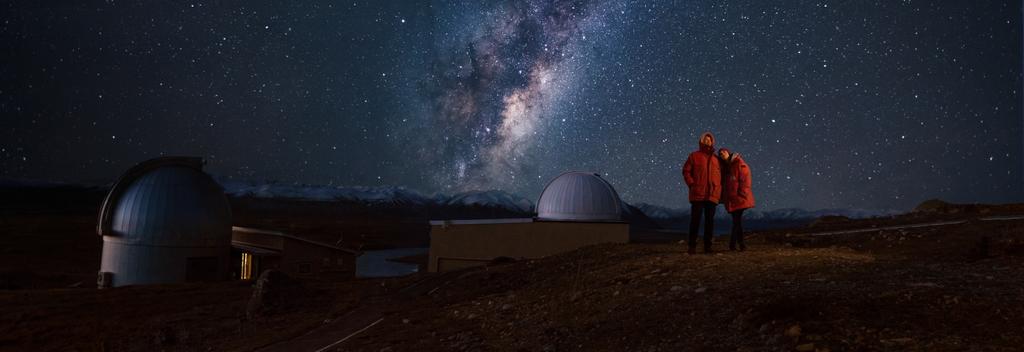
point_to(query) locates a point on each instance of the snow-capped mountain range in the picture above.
(378, 195)
(496, 199)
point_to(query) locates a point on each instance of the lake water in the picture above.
(376, 263)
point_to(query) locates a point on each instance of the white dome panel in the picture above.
(579, 196)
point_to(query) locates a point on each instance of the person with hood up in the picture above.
(702, 173)
(736, 194)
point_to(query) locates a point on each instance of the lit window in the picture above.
(246, 266)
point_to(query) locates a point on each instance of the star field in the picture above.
(875, 104)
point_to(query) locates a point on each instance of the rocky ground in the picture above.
(957, 287)
(930, 289)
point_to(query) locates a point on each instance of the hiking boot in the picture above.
(743, 247)
(707, 250)
(732, 247)
(692, 250)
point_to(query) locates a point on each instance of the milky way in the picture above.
(497, 87)
(834, 104)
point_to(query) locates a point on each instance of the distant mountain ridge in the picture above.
(491, 198)
(378, 195)
(512, 202)
(401, 197)
(662, 212)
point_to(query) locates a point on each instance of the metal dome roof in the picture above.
(579, 196)
(167, 202)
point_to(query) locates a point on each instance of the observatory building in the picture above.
(165, 221)
(575, 209)
(255, 250)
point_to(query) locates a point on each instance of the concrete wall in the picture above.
(463, 245)
(148, 265)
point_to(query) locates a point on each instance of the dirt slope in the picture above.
(958, 287)
(927, 290)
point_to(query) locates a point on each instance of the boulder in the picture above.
(793, 331)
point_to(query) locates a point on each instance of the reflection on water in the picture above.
(376, 263)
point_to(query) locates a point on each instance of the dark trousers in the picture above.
(708, 210)
(737, 229)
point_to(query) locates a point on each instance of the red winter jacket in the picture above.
(737, 193)
(703, 174)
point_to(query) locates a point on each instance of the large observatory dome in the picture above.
(165, 220)
(579, 196)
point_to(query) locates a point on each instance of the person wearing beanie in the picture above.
(737, 194)
(702, 174)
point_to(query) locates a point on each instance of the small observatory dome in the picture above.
(165, 221)
(579, 196)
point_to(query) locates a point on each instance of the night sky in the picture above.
(851, 104)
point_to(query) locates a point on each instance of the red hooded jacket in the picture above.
(703, 174)
(737, 194)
